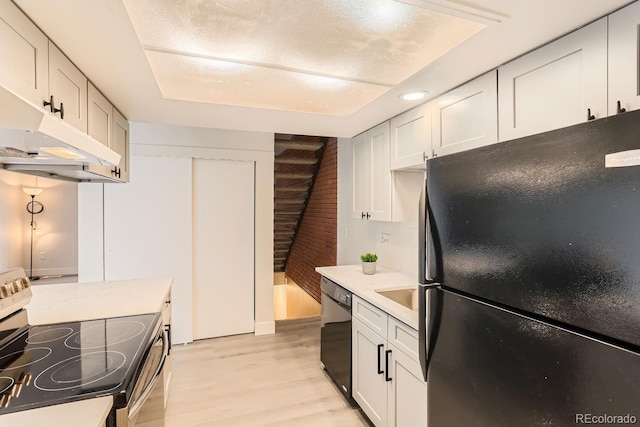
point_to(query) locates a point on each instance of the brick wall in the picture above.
(316, 242)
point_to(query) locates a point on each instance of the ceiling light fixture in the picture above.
(414, 95)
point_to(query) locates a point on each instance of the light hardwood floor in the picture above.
(244, 380)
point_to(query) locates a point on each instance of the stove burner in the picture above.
(26, 357)
(49, 335)
(109, 333)
(80, 370)
(6, 383)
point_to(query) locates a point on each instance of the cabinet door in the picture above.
(99, 116)
(466, 117)
(410, 138)
(378, 137)
(361, 170)
(24, 53)
(624, 69)
(120, 143)
(407, 391)
(68, 86)
(555, 86)
(369, 388)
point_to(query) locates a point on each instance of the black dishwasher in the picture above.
(335, 335)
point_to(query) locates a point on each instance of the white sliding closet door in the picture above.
(223, 247)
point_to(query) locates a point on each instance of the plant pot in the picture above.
(369, 267)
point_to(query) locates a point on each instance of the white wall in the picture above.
(10, 220)
(356, 236)
(57, 231)
(184, 143)
(55, 241)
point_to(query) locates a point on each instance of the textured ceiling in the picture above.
(318, 56)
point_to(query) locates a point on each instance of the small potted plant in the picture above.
(369, 263)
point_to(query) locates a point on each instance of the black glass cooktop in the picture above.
(62, 362)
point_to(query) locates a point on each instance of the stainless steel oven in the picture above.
(335, 335)
(146, 404)
(41, 365)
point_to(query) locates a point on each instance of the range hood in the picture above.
(34, 141)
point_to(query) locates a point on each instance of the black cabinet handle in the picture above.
(380, 371)
(368, 216)
(589, 115)
(116, 171)
(620, 109)
(58, 110)
(362, 215)
(168, 329)
(387, 353)
(49, 104)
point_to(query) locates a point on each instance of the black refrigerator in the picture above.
(530, 265)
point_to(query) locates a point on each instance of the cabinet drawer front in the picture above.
(403, 337)
(370, 315)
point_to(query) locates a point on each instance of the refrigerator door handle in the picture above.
(428, 329)
(422, 235)
(428, 241)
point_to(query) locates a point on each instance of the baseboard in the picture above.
(54, 271)
(265, 328)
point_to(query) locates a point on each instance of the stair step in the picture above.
(296, 201)
(281, 251)
(291, 188)
(292, 175)
(288, 232)
(284, 222)
(297, 145)
(290, 160)
(287, 213)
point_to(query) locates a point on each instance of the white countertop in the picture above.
(95, 300)
(353, 279)
(84, 301)
(84, 413)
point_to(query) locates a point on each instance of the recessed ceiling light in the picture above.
(414, 95)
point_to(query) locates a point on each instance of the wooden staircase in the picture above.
(297, 159)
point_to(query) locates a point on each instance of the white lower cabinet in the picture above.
(407, 396)
(369, 387)
(387, 382)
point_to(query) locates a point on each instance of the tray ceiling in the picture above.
(330, 56)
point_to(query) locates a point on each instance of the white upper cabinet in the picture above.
(558, 85)
(466, 117)
(380, 173)
(371, 174)
(361, 169)
(24, 55)
(120, 144)
(68, 87)
(99, 116)
(624, 54)
(410, 138)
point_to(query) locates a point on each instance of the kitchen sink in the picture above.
(407, 297)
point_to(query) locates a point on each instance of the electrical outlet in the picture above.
(385, 238)
(43, 255)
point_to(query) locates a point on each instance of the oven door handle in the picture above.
(137, 405)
